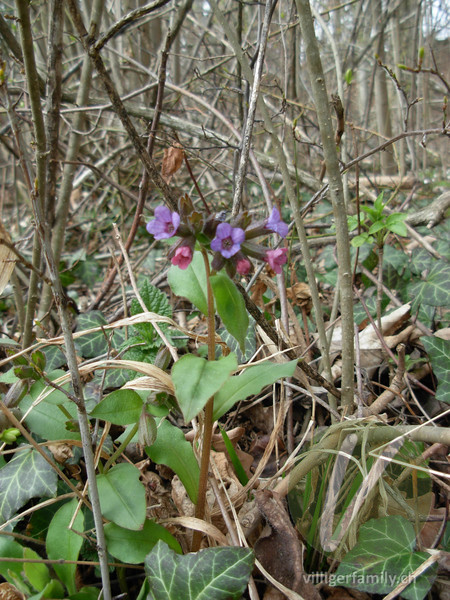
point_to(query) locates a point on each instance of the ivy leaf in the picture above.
(27, 475)
(250, 382)
(92, 344)
(383, 557)
(133, 546)
(196, 380)
(231, 307)
(219, 573)
(438, 350)
(191, 282)
(122, 496)
(433, 291)
(63, 542)
(173, 450)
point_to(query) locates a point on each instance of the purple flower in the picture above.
(276, 224)
(276, 258)
(228, 240)
(165, 223)
(182, 257)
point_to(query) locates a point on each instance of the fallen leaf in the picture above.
(281, 552)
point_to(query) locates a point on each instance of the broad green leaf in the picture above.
(62, 542)
(27, 475)
(434, 290)
(133, 546)
(53, 589)
(219, 573)
(439, 352)
(196, 380)
(360, 240)
(383, 557)
(121, 407)
(377, 226)
(172, 449)
(122, 496)
(399, 229)
(9, 548)
(36, 573)
(249, 383)
(47, 420)
(191, 282)
(231, 307)
(86, 593)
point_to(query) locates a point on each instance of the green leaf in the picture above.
(121, 407)
(196, 380)
(92, 344)
(238, 468)
(439, 352)
(360, 240)
(133, 546)
(172, 449)
(122, 496)
(348, 76)
(231, 307)
(233, 345)
(249, 383)
(86, 593)
(434, 290)
(10, 549)
(219, 573)
(47, 420)
(398, 228)
(383, 557)
(64, 543)
(377, 226)
(36, 573)
(191, 282)
(27, 475)
(156, 301)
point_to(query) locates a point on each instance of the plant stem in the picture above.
(208, 415)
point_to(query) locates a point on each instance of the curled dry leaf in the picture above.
(10, 592)
(172, 161)
(281, 552)
(7, 258)
(300, 295)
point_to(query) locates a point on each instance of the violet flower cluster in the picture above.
(232, 243)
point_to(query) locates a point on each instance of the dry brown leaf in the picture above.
(300, 295)
(7, 258)
(61, 451)
(9, 592)
(172, 161)
(281, 552)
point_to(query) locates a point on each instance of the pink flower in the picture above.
(276, 258)
(165, 223)
(182, 257)
(276, 224)
(228, 240)
(243, 266)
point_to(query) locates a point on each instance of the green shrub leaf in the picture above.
(121, 407)
(64, 543)
(250, 382)
(172, 449)
(196, 380)
(133, 546)
(122, 496)
(219, 573)
(383, 557)
(231, 307)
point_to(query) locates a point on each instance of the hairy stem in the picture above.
(208, 415)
